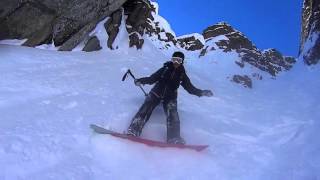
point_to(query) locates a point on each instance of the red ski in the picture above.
(148, 142)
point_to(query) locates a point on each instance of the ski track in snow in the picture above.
(49, 98)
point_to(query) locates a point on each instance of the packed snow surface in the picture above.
(49, 98)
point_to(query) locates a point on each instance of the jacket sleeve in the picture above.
(187, 85)
(153, 78)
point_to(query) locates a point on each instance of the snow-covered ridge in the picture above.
(163, 23)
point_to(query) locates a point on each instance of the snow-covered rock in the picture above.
(191, 42)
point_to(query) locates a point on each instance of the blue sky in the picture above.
(268, 23)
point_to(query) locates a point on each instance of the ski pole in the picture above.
(130, 73)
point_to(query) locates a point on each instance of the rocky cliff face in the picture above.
(66, 22)
(310, 32)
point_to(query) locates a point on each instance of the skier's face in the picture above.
(176, 61)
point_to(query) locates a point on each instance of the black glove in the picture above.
(137, 82)
(207, 93)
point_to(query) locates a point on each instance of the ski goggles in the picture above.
(177, 60)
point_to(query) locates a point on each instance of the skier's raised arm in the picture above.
(187, 85)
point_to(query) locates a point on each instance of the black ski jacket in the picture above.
(168, 79)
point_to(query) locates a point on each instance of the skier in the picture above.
(167, 79)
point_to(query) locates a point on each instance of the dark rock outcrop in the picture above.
(310, 32)
(190, 43)
(270, 61)
(93, 44)
(78, 37)
(28, 20)
(67, 22)
(112, 27)
(141, 22)
(138, 12)
(243, 80)
(234, 40)
(80, 20)
(7, 7)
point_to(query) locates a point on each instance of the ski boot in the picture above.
(132, 131)
(176, 140)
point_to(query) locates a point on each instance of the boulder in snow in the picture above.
(93, 44)
(245, 81)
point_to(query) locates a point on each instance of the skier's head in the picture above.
(177, 58)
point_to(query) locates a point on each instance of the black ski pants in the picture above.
(145, 111)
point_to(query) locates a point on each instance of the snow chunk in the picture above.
(18, 42)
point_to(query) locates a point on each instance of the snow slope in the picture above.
(49, 98)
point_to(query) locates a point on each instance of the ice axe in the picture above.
(130, 73)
